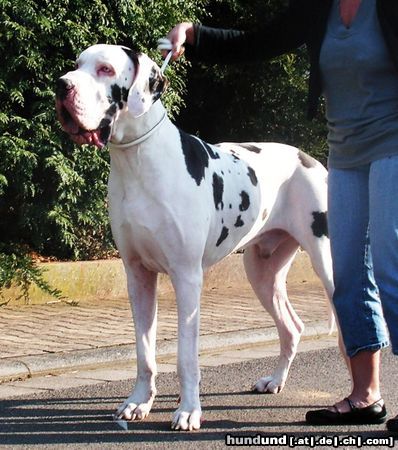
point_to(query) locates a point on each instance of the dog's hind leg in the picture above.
(267, 274)
(319, 252)
(310, 220)
(188, 286)
(318, 249)
(142, 292)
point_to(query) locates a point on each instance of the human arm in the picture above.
(287, 31)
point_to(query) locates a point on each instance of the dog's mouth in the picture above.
(76, 130)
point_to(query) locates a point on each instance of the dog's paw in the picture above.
(186, 420)
(131, 411)
(268, 385)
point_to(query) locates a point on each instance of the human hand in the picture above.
(178, 36)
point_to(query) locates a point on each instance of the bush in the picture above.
(19, 270)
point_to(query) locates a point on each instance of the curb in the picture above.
(89, 280)
(31, 366)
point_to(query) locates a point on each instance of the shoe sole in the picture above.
(375, 421)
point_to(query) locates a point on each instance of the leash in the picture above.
(137, 141)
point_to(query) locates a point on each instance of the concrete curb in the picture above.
(31, 366)
(88, 280)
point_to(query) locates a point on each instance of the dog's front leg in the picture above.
(188, 288)
(142, 293)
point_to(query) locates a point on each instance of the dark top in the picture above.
(303, 22)
(360, 86)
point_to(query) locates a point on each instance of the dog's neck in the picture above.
(128, 129)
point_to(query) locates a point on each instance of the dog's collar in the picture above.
(137, 141)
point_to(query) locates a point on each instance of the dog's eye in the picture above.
(106, 70)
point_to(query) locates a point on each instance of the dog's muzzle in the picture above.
(71, 114)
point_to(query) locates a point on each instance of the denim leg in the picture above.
(383, 186)
(356, 299)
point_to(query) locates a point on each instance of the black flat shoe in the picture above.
(392, 425)
(374, 413)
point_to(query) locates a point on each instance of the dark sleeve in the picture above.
(283, 34)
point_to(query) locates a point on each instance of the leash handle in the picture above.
(165, 44)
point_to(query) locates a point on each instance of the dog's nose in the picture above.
(63, 86)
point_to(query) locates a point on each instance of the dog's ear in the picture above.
(148, 86)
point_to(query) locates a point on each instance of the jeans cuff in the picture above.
(373, 347)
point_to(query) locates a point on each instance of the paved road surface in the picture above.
(81, 417)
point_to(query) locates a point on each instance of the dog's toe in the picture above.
(186, 421)
(133, 411)
(268, 385)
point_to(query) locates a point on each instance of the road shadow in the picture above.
(74, 420)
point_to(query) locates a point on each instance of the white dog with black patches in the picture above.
(178, 205)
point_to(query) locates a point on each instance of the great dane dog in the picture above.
(178, 205)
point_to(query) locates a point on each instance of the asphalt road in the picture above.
(82, 417)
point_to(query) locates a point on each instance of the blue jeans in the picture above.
(363, 226)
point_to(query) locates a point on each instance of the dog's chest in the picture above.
(138, 219)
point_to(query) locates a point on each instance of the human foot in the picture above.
(346, 412)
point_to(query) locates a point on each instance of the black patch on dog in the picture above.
(105, 122)
(212, 154)
(320, 224)
(235, 156)
(252, 176)
(251, 148)
(119, 95)
(125, 93)
(153, 79)
(157, 84)
(223, 236)
(239, 222)
(111, 111)
(218, 190)
(105, 133)
(196, 157)
(133, 53)
(116, 93)
(306, 160)
(245, 203)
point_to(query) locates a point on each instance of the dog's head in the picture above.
(107, 80)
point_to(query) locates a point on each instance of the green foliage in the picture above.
(264, 101)
(17, 269)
